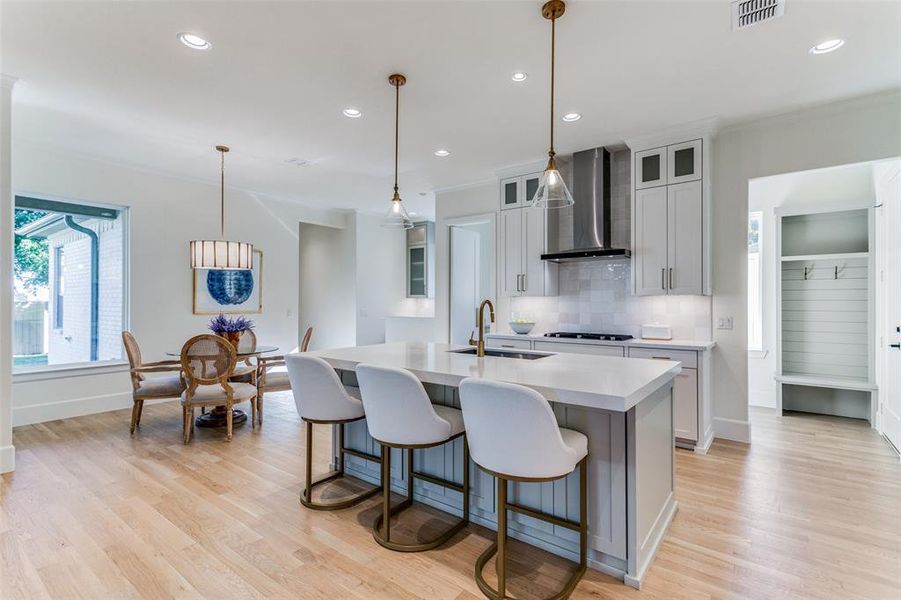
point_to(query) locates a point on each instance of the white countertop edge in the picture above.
(695, 345)
(593, 400)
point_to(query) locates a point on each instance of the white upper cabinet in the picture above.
(650, 168)
(511, 243)
(650, 245)
(683, 162)
(523, 239)
(684, 238)
(670, 219)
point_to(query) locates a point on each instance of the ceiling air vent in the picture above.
(746, 13)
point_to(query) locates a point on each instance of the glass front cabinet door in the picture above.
(683, 162)
(650, 168)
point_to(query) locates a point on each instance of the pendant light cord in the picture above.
(396, 133)
(551, 152)
(222, 194)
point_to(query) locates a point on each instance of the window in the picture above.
(755, 286)
(69, 305)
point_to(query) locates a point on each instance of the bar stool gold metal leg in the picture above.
(306, 494)
(381, 529)
(499, 547)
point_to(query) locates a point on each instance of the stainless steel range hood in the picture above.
(591, 212)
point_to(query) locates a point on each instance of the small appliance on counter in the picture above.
(656, 332)
(572, 335)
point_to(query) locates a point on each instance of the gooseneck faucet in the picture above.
(480, 344)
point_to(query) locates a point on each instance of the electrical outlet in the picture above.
(724, 323)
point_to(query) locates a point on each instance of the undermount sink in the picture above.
(503, 353)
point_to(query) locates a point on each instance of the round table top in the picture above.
(260, 349)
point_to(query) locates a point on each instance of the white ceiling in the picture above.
(110, 80)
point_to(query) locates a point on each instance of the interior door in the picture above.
(464, 278)
(890, 393)
(511, 248)
(650, 241)
(685, 236)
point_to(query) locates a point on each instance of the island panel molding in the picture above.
(623, 405)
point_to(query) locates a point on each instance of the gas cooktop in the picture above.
(610, 337)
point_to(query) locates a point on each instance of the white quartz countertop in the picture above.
(696, 345)
(603, 382)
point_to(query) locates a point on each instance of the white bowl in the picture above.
(521, 328)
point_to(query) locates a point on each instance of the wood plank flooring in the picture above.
(812, 509)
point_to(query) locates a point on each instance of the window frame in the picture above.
(75, 369)
(756, 345)
(58, 288)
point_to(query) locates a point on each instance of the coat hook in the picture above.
(836, 271)
(807, 272)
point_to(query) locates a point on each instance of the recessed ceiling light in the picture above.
(193, 41)
(827, 46)
(519, 76)
(570, 117)
(442, 152)
(353, 113)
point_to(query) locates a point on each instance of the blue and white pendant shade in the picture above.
(221, 254)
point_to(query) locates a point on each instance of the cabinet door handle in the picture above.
(518, 282)
(670, 278)
(663, 278)
(524, 285)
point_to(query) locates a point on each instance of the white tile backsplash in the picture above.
(595, 296)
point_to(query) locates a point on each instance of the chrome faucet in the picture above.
(480, 344)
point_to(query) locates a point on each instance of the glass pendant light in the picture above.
(397, 217)
(552, 192)
(221, 254)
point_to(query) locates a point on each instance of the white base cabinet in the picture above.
(692, 410)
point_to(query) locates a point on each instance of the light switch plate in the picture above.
(724, 323)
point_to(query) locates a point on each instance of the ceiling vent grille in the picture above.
(746, 13)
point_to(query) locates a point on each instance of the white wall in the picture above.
(327, 298)
(852, 131)
(166, 213)
(850, 186)
(381, 270)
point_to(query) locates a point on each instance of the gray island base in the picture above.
(630, 452)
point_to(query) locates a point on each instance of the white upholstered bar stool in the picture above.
(515, 437)
(400, 414)
(320, 397)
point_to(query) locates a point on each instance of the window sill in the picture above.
(73, 370)
(758, 354)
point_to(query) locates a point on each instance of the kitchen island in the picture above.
(623, 405)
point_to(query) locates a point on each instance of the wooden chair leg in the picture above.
(253, 412)
(229, 415)
(185, 424)
(134, 416)
(260, 406)
(140, 412)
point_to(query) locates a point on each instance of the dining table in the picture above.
(216, 417)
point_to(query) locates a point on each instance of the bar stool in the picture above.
(320, 397)
(400, 414)
(515, 437)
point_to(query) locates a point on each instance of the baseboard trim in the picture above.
(732, 429)
(66, 409)
(7, 459)
(704, 445)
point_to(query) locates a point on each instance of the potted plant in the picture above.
(230, 328)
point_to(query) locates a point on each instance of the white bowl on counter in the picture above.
(520, 327)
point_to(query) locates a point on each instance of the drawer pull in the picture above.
(507, 346)
(661, 357)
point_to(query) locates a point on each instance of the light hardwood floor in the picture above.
(811, 510)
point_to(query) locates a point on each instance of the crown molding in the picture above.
(702, 128)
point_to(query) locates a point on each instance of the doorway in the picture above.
(471, 272)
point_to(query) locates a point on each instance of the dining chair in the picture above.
(273, 375)
(208, 361)
(248, 371)
(143, 388)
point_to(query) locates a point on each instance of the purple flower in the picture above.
(221, 324)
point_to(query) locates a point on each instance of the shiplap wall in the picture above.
(825, 318)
